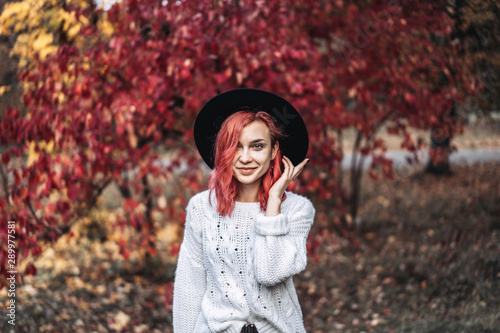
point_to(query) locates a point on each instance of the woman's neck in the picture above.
(247, 194)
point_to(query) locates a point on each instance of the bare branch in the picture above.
(5, 184)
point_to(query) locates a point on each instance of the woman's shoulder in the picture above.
(200, 198)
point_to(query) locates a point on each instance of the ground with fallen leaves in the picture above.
(429, 259)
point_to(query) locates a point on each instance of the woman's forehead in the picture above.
(255, 131)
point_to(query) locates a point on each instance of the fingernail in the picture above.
(307, 161)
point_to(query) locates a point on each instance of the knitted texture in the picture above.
(236, 270)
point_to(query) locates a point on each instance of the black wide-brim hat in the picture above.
(219, 108)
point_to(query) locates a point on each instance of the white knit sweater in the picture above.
(232, 271)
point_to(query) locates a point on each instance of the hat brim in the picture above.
(220, 107)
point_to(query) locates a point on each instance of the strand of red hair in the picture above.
(221, 178)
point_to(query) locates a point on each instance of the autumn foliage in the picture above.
(102, 109)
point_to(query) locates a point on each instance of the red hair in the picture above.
(221, 178)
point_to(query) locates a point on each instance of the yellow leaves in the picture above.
(71, 25)
(73, 31)
(42, 41)
(78, 3)
(26, 85)
(169, 234)
(120, 321)
(105, 27)
(47, 51)
(391, 239)
(63, 317)
(57, 263)
(13, 15)
(131, 135)
(352, 92)
(383, 201)
(37, 23)
(369, 235)
(42, 145)
(85, 64)
(311, 289)
(4, 89)
(61, 97)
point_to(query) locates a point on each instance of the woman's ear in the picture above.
(275, 150)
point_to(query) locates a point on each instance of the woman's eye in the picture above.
(258, 145)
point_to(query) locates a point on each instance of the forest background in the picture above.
(98, 159)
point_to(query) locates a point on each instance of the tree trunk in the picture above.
(440, 146)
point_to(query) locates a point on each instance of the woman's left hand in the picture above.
(289, 173)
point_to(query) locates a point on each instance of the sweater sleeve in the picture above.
(280, 243)
(190, 274)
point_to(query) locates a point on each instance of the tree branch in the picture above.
(5, 184)
(340, 176)
(99, 191)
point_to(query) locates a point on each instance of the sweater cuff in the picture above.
(271, 225)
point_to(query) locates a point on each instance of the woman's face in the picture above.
(254, 153)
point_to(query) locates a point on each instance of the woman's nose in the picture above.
(245, 156)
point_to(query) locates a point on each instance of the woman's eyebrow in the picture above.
(257, 140)
(254, 141)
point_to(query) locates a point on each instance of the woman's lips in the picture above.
(246, 171)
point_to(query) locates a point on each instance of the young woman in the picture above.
(245, 237)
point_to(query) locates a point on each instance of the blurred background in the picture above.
(98, 161)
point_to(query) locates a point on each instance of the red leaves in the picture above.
(130, 205)
(152, 250)
(174, 249)
(23, 193)
(222, 77)
(49, 209)
(30, 270)
(36, 251)
(379, 162)
(17, 178)
(125, 253)
(72, 192)
(409, 98)
(312, 245)
(123, 245)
